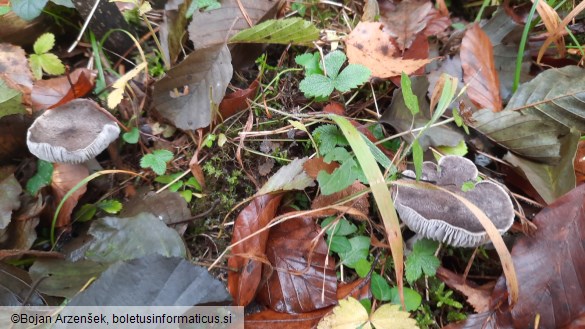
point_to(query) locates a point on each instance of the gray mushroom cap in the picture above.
(437, 215)
(72, 133)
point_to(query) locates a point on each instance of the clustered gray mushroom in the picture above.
(71, 133)
(437, 215)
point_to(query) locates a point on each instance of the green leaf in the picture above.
(281, 31)
(362, 267)
(35, 66)
(339, 244)
(64, 3)
(28, 9)
(316, 85)
(367, 304)
(41, 178)
(311, 63)
(460, 149)
(187, 195)
(10, 100)
(412, 299)
(342, 228)
(157, 161)
(360, 248)
(4, 10)
(44, 43)
(339, 154)
(329, 136)
(85, 213)
(205, 5)
(422, 260)
(51, 64)
(380, 288)
(209, 139)
(417, 158)
(352, 76)
(132, 136)
(333, 62)
(193, 183)
(339, 179)
(467, 186)
(410, 99)
(110, 206)
(459, 120)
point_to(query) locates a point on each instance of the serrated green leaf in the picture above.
(339, 179)
(360, 248)
(41, 178)
(28, 9)
(417, 158)
(342, 228)
(10, 100)
(132, 136)
(281, 31)
(157, 161)
(380, 288)
(410, 99)
(328, 137)
(351, 77)
(333, 63)
(316, 85)
(51, 64)
(85, 213)
(110, 206)
(422, 260)
(44, 43)
(311, 63)
(35, 66)
(339, 154)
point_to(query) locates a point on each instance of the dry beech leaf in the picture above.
(550, 268)
(405, 20)
(368, 45)
(551, 21)
(243, 284)
(479, 71)
(313, 166)
(237, 101)
(47, 94)
(14, 67)
(65, 177)
(335, 108)
(301, 272)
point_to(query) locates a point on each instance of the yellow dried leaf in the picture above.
(349, 314)
(389, 316)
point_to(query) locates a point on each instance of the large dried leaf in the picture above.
(65, 177)
(215, 27)
(550, 267)
(15, 287)
(246, 255)
(479, 71)
(361, 203)
(185, 95)
(14, 66)
(301, 275)
(20, 235)
(153, 280)
(62, 278)
(368, 45)
(538, 115)
(290, 177)
(400, 117)
(406, 20)
(550, 181)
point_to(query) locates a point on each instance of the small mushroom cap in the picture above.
(438, 215)
(71, 133)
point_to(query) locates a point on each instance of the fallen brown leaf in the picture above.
(478, 297)
(50, 93)
(405, 20)
(243, 284)
(313, 166)
(65, 177)
(479, 71)
(237, 101)
(361, 203)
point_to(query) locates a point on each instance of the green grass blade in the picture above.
(523, 42)
(381, 195)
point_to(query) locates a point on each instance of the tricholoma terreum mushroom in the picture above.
(72, 133)
(437, 215)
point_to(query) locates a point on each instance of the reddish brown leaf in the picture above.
(479, 71)
(65, 177)
(368, 45)
(335, 108)
(313, 166)
(580, 162)
(47, 94)
(405, 20)
(361, 203)
(437, 24)
(301, 272)
(237, 101)
(418, 50)
(244, 283)
(197, 172)
(551, 270)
